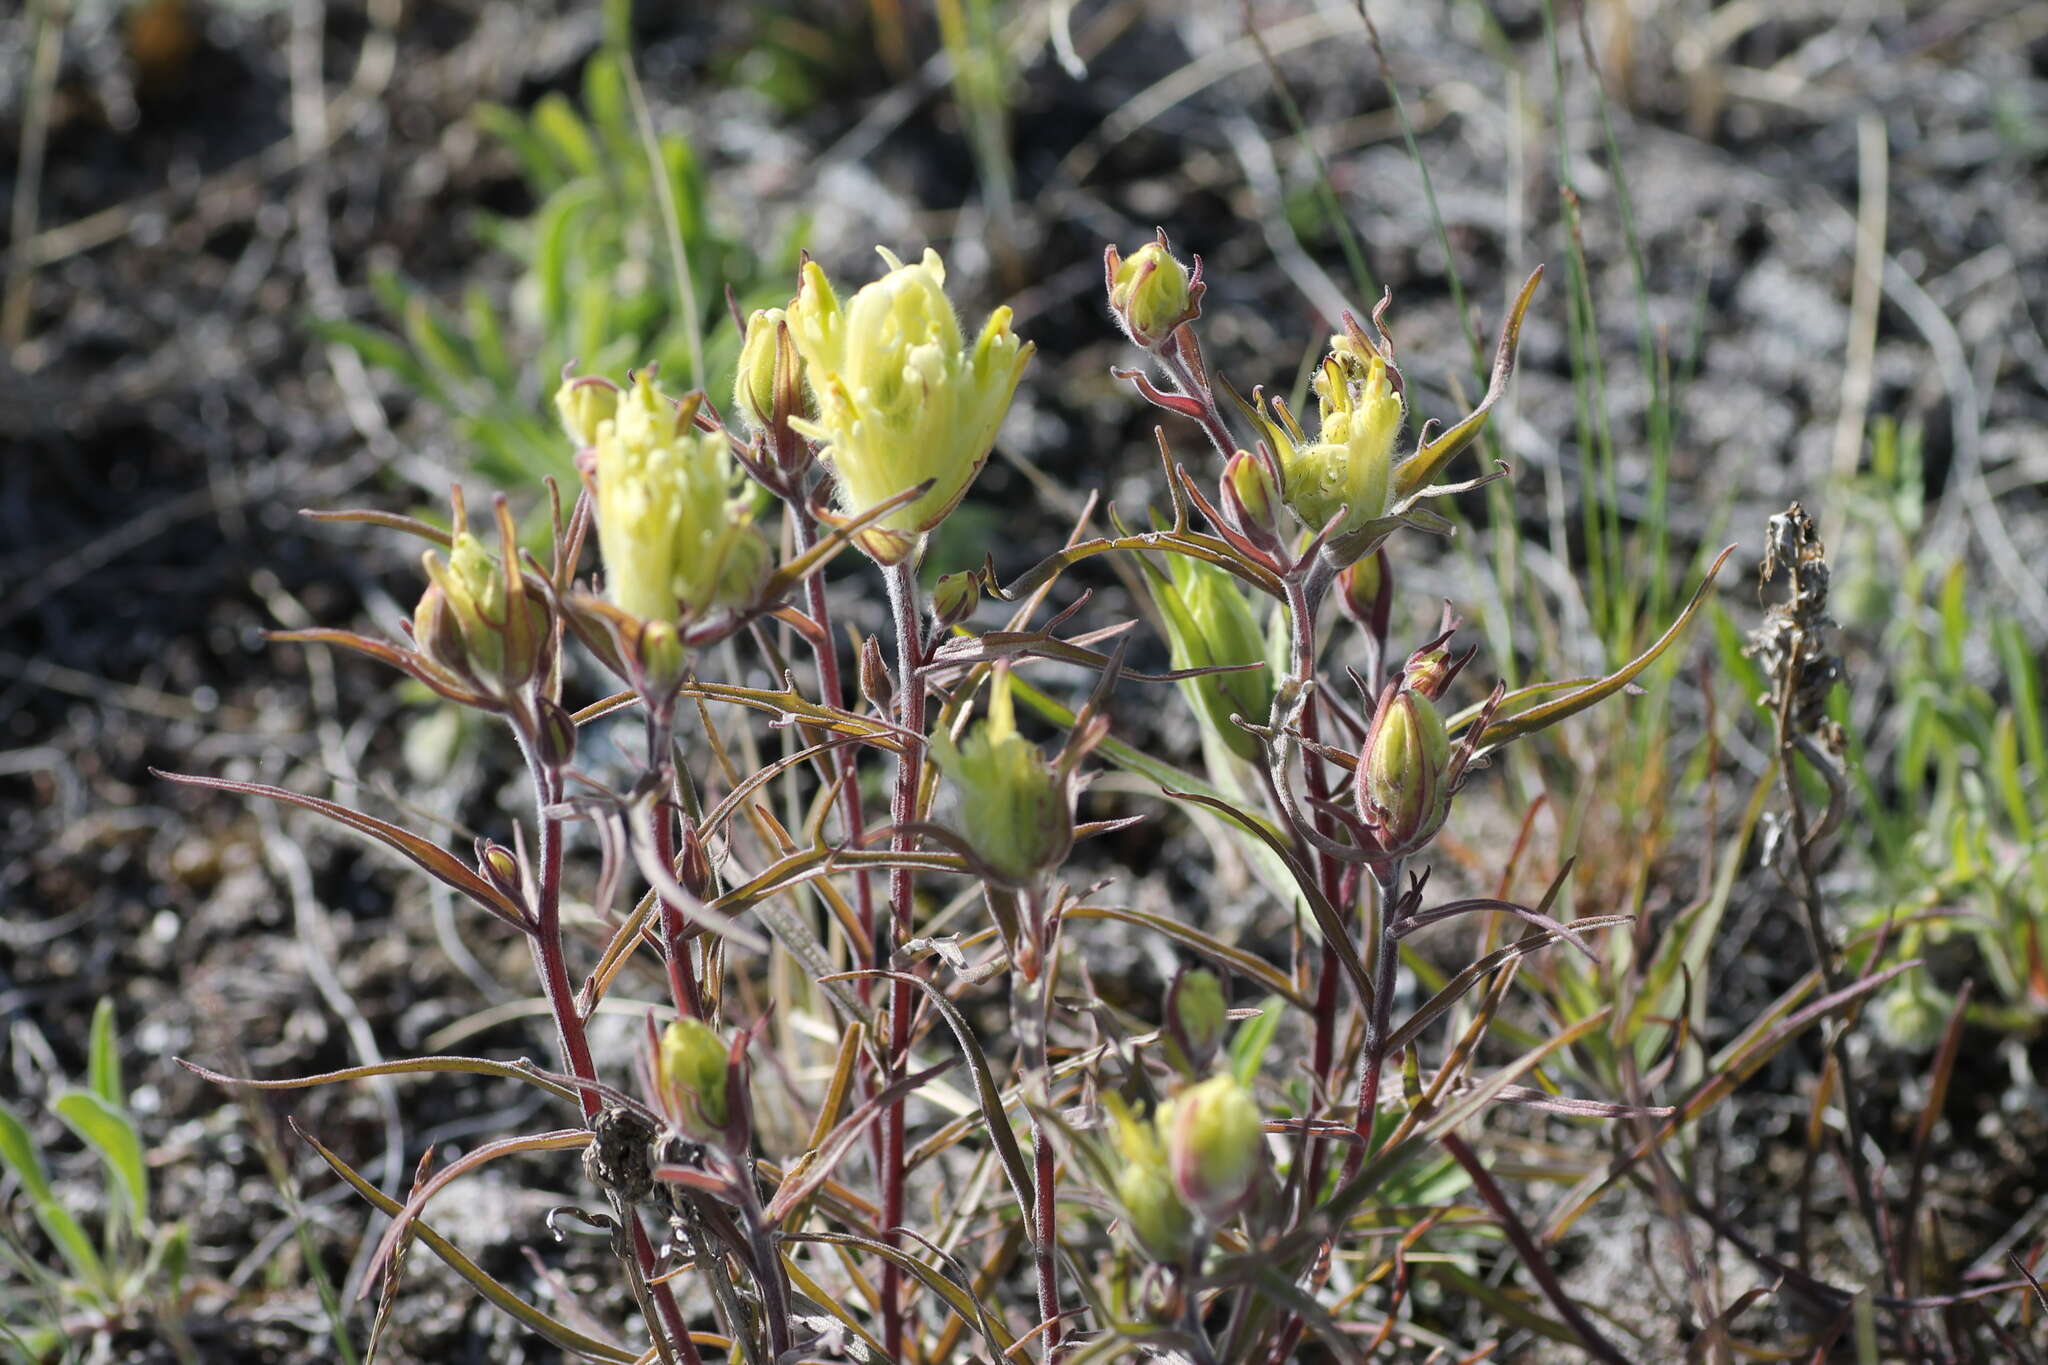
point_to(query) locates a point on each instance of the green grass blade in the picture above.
(103, 1055)
(20, 1153)
(107, 1129)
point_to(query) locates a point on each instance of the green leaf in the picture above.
(487, 339)
(1540, 717)
(108, 1130)
(606, 103)
(509, 128)
(565, 134)
(380, 350)
(103, 1055)
(2023, 676)
(436, 345)
(20, 1154)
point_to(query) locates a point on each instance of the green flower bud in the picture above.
(954, 598)
(658, 653)
(694, 1065)
(901, 398)
(1250, 497)
(1153, 1212)
(1403, 783)
(1014, 810)
(1365, 593)
(438, 633)
(1196, 1012)
(1210, 623)
(472, 586)
(766, 359)
(1215, 1146)
(674, 523)
(1149, 292)
(584, 405)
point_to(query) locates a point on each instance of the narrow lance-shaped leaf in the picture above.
(482, 1066)
(1550, 713)
(561, 1139)
(560, 1333)
(985, 1088)
(429, 857)
(103, 1055)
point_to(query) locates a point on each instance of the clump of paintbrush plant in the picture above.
(939, 1141)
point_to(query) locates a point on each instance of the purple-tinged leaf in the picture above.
(429, 857)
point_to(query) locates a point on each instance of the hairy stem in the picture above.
(903, 602)
(1379, 1019)
(1197, 387)
(1303, 597)
(675, 925)
(832, 692)
(571, 1037)
(1031, 1012)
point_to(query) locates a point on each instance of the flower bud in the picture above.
(500, 867)
(1014, 809)
(954, 598)
(1210, 623)
(1153, 1212)
(1215, 1146)
(876, 686)
(472, 592)
(1150, 293)
(1403, 785)
(557, 734)
(658, 658)
(902, 399)
(693, 866)
(1196, 1012)
(1911, 1017)
(694, 1065)
(1365, 593)
(584, 405)
(769, 385)
(437, 632)
(1251, 499)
